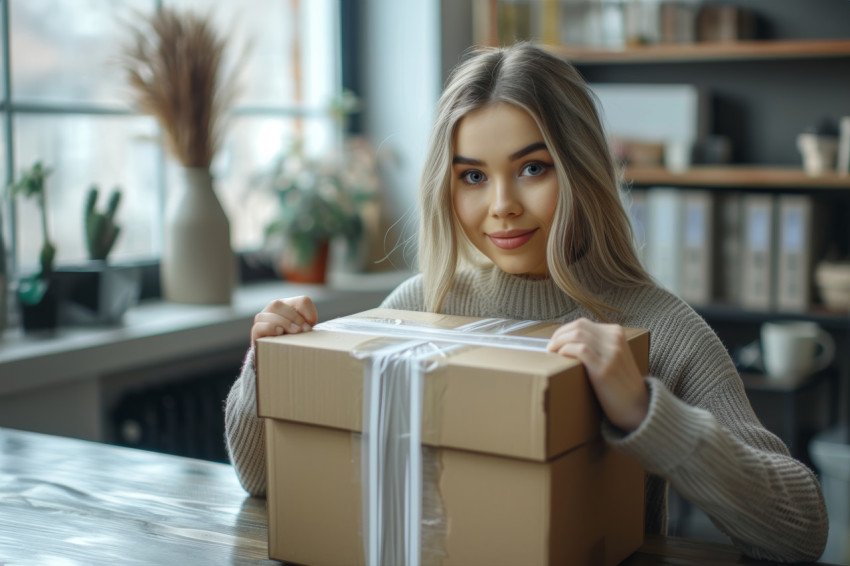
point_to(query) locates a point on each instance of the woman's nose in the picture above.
(503, 199)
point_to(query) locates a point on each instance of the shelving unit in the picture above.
(682, 63)
(737, 176)
(732, 314)
(696, 52)
(763, 93)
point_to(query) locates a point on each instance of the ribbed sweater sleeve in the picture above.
(245, 433)
(767, 502)
(702, 436)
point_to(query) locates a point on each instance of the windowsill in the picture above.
(155, 332)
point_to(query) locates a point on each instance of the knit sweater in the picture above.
(700, 433)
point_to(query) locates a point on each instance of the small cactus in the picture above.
(101, 231)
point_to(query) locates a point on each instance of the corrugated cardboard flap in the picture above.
(530, 405)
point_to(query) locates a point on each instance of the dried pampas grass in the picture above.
(173, 63)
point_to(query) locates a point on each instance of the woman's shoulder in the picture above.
(660, 311)
(408, 295)
(650, 299)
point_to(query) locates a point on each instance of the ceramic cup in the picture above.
(677, 155)
(795, 349)
(818, 153)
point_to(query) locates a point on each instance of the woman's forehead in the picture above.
(500, 128)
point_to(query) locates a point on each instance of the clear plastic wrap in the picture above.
(403, 521)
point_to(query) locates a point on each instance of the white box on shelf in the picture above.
(661, 113)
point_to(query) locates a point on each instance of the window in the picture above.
(66, 104)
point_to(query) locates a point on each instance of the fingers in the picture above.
(578, 339)
(307, 310)
(578, 350)
(284, 316)
(611, 369)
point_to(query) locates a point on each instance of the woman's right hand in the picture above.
(284, 316)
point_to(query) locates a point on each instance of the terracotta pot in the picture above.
(314, 271)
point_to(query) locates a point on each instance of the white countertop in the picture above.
(157, 331)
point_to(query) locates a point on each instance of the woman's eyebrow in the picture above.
(528, 149)
(459, 159)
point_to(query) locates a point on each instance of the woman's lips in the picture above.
(511, 239)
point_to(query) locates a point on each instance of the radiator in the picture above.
(185, 418)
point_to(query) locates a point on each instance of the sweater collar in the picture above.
(520, 297)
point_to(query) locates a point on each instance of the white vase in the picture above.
(198, 264)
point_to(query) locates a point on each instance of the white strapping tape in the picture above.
(392, 421)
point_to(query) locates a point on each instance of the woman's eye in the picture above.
(473, 177)
(534, 169)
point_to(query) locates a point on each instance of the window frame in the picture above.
(252, 266)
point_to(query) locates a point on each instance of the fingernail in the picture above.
(306, 327)
(278, 330)
(293, 327)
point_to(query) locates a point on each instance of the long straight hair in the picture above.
(590, 221)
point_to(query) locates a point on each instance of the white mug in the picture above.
(790, 348)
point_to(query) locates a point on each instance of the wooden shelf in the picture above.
(761, 382)
(716, 51)
(733, 314)
(740, 176)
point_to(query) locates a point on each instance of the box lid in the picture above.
(524, 404)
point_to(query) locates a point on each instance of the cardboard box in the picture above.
(524, 476)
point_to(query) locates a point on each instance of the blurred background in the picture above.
(731, 121)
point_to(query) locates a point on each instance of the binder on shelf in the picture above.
(663, 236)
(798, 247)
(637, 209)
(698, 279)
(730, 241)
(757, 287)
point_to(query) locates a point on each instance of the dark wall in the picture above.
(798, 19)
(762, 105)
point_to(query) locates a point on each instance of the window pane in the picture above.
(63, 50)
(251, 149)
(268, 31)
(59, 58)
(108, 151)
(2, 58)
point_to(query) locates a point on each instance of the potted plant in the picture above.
(36, 293)
(319, 201)
(96, 291)
(174, 67)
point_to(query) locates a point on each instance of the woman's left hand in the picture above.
(610, 367)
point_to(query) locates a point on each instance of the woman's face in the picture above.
(504, 187)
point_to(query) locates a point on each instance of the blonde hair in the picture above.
(590, 221)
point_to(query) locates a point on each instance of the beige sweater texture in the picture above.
(700, 434)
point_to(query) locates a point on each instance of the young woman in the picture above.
(521, 218)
